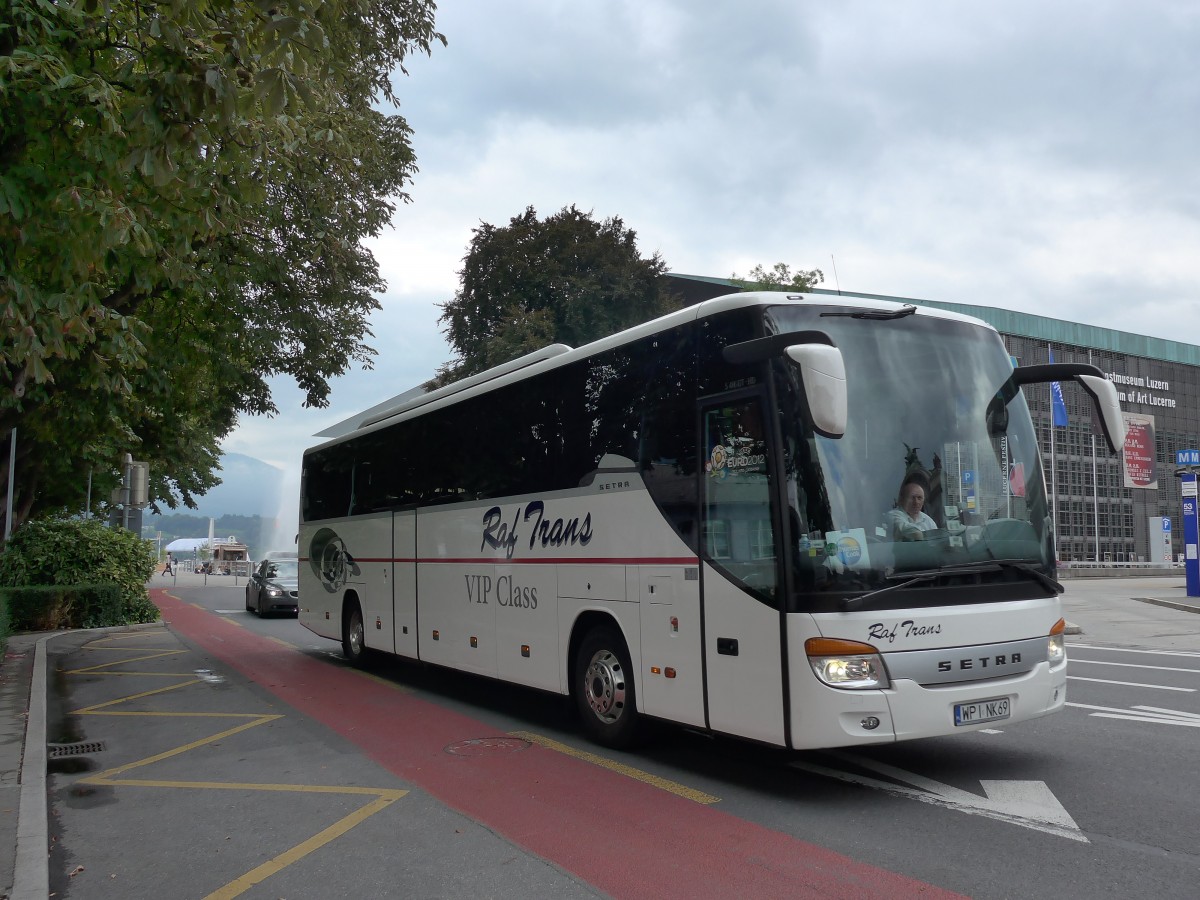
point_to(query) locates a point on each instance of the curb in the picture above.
(31, 877)
(1173, 604)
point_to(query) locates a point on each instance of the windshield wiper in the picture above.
(849, 603)
(979, 568)
(1032, 571)
(907, 310)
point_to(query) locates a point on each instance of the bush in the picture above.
(73, 606)
(74, 552)
(5, 627)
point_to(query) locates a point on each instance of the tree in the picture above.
(533, 282)
(780, 277)
(184, 190)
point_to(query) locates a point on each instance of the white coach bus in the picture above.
(708, 519)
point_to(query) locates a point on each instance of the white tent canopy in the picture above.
(186, 545)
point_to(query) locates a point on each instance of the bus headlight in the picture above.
(846, 664)
(1056, 644)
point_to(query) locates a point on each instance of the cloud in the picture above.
(1029, 156)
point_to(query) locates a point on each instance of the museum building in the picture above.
(1118, 509)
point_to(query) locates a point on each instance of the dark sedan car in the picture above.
(273, 588)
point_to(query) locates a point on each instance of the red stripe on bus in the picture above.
(651, 843)
(520, 561)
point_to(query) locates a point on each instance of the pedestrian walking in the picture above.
(168, 567)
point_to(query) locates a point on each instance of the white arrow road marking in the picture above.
(1144, 714)
(1029, 804)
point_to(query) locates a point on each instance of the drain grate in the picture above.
(82, 748)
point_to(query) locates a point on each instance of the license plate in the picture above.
(981, 711)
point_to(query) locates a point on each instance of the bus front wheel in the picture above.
(604, 691)
(354, 635)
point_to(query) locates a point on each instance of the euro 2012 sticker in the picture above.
(735, 460)
(849, 547)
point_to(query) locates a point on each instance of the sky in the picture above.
(1040, 157)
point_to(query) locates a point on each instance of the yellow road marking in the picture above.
(159, 757)
(402, 688)
(171, 687)
(121, 662)
(318, 840)
(273, 788)
(126, 636)
(663, 784)
(382, 797)
(283, 642)
(182, 715)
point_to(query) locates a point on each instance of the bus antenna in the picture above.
(835, 278)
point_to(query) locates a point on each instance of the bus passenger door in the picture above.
(404, 587)
(740, 580)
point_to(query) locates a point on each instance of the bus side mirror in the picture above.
(823, 375)
(1104, 396)
(1102, 391)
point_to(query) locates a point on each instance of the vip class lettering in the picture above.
(503, 590)
(544, 530)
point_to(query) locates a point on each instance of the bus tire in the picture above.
(604, 689)
(354, 635)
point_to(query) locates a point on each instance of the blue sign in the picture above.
(1187, 457)
(1166, 524)
(1191, 534)
(968, 476)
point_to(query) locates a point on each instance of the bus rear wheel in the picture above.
(604, 691)
(354, 635)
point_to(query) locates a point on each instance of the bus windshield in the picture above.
(937, 480)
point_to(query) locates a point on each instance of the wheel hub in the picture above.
(605, 686)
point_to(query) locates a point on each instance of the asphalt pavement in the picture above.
(304, 780)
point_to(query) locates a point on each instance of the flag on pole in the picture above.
(1057, 404)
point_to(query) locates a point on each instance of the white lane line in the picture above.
(1153, 714)
(1188, 653)
(1104, 662)
(1157, 687)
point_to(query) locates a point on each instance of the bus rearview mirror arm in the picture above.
(822, 373)
(1099, 388)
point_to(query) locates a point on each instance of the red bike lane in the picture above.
(622, 836)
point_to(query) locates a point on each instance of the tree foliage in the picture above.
(184, 190)
(533, 282)
(779, 277)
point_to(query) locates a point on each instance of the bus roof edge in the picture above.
(548, 352)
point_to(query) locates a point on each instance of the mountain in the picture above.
(249, 487)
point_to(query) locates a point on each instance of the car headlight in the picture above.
(274, 592)
(1056, 644)
(846, 664)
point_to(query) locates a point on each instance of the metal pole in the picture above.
(126, 487)
(1095, 499)
(12, 471)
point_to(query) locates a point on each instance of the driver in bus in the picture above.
(908, 521)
